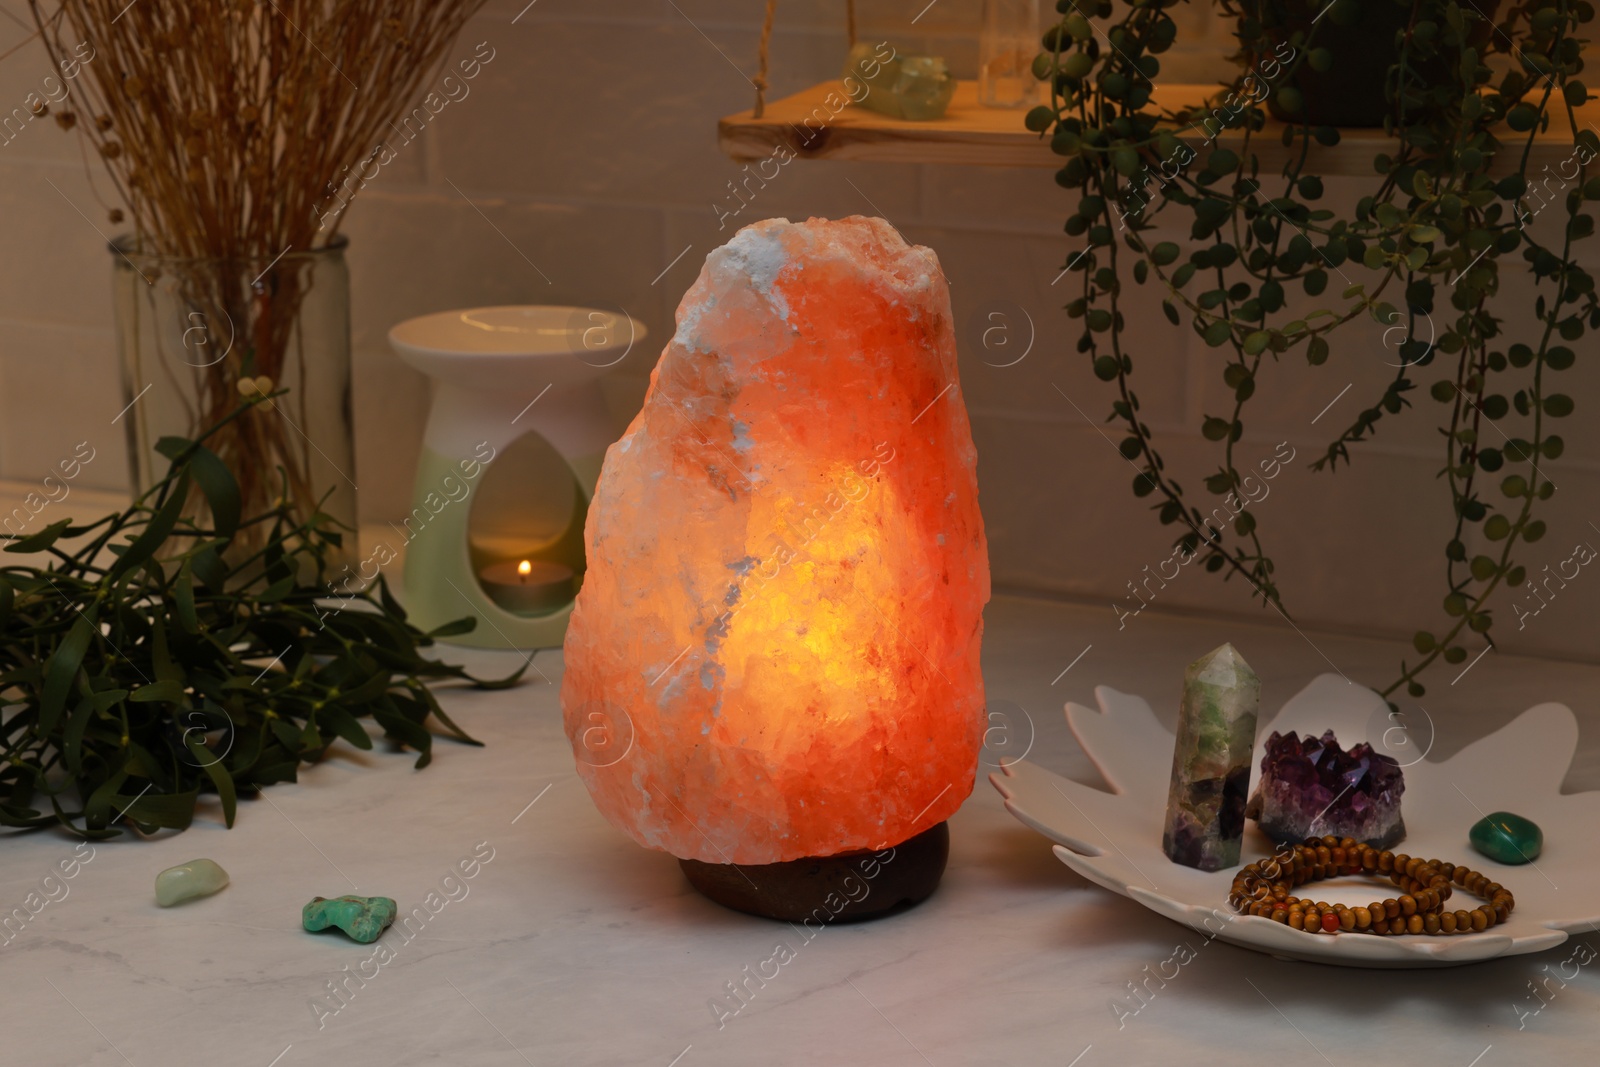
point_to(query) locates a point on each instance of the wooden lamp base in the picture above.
(849, 887)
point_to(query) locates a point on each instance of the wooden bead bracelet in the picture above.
(1263, 888)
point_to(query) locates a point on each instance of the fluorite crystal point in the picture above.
(1311, 787)
(1211, 761)
(774, 654)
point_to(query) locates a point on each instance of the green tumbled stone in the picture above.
(363, 918)
(903, 87)
(924, 88)
(1507, 838)
(197, 878)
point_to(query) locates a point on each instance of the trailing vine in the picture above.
(1421, 253)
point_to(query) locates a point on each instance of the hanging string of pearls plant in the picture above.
(1464, 88)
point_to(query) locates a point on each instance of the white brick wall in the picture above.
(589, 143)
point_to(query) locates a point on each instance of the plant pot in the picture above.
(1363, 39)
(197, 337)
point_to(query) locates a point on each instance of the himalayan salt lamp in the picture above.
(787, 572)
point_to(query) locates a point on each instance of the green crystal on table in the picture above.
(1211, 761)
(363, 918)
(187, 881)
(1507, 838)
(918, 88)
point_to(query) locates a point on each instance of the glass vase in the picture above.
(199, 337)
(1007, 44)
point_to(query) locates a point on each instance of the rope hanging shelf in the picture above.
(817, 123)
(764, 50)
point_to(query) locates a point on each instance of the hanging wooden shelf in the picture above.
(813, 127)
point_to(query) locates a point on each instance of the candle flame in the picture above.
(525, 568)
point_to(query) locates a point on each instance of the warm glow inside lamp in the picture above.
(772, 668)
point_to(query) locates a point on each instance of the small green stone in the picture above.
(903, 87)
(1507, 838)
(363, 918)
(197, 878)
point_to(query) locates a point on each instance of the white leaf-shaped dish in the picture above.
(1114, 839)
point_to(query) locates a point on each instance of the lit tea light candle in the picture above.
(529, 587)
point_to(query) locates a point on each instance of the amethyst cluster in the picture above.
(1311, 787)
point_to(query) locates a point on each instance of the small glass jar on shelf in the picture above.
(1007, 44)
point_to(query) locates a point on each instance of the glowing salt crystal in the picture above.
(774, 653)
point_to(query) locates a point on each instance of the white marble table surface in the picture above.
(573, 946)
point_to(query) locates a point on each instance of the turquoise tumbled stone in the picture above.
(1507, 838)
(363, 918)
(197, 878)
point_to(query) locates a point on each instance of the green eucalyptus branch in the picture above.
(145, 665)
